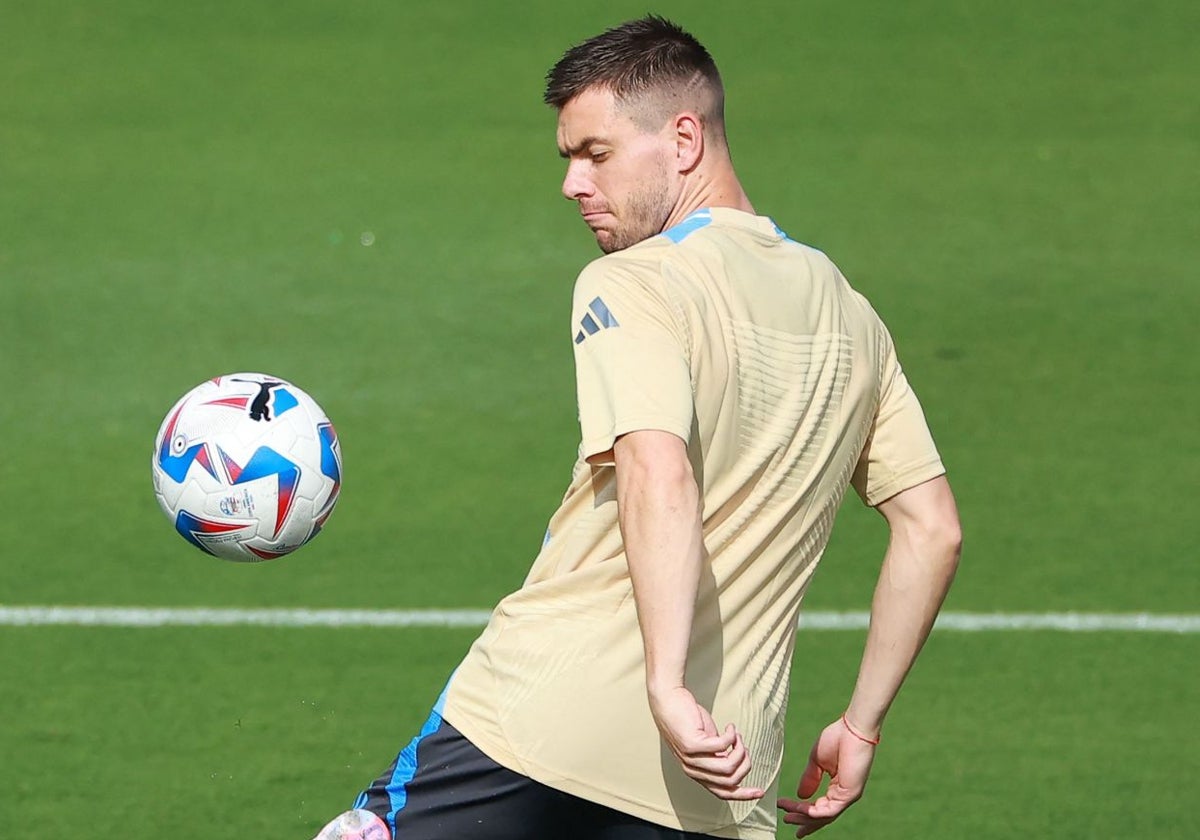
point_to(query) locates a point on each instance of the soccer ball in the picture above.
(247, 467)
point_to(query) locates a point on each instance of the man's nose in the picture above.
(575, 185)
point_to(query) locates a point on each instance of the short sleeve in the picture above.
(632, 369)
(900, 452)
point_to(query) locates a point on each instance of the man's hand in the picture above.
(717, 760)
(846, 759)
(919, 565)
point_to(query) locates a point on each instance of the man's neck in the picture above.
(719, 190)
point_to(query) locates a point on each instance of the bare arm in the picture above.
(659, 507)
(918, 567)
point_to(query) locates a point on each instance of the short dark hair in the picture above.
(634, 59)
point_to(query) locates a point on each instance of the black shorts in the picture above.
(441, 787)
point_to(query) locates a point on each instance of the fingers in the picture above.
(722, 772)
(738, 794)
(806, 825)
(811, 816)
(727, 767)
(847, 760)
(709, 744)
(811, 780)
(824, 808)
(717, 760)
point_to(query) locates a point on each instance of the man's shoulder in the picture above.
(648, 263)
(643, 262)
(637, 265)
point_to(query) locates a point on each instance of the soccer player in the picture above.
(731, 386)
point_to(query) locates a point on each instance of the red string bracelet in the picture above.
(872, 741)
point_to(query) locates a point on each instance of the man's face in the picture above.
(620, 175)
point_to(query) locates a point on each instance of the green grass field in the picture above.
(186, 191)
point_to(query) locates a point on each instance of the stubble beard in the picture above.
(644, 215)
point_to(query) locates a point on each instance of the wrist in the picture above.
(658, 688)
(866, 735)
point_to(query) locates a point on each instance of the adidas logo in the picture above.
(591, 325)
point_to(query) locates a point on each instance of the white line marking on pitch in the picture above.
(1070, 622)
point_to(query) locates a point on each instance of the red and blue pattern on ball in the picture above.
(177, 466)
(194, 529)
(263, 463)
(331, 467)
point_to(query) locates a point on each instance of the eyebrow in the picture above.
(569, 151)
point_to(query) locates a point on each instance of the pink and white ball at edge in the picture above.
(247, 467)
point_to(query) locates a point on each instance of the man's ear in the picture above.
(689, 141)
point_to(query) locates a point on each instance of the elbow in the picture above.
(952, 545)
(934, 541)
(925, 518)
(654, 459)
(942, 542)
(946, 532)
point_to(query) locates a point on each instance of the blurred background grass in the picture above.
(189, 190)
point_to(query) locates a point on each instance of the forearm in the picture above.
(659, 508)
(917, 571)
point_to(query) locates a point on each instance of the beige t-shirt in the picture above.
(785, 385)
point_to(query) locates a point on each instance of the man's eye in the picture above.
(600, 157)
